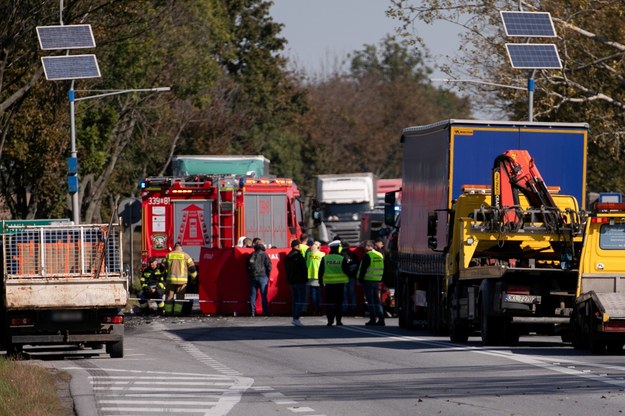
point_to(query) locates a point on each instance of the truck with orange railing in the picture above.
(63, 284)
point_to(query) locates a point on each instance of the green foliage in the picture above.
(231, 94)
(356, 119)
(589, 88)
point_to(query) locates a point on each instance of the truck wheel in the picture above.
(115, 349)
(511, 334)
(401, 320)
(15, 352)
(408, 312)
(579, 339)
(597, 346)
(458, 332)
(615, 346)
(488, 328)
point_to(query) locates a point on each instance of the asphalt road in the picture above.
(266, 366)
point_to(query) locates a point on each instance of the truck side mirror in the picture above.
(432, 243)
(389, 209)
(432, 229)
(432, 224)
(315, 211)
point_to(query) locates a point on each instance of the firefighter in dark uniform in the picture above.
(152, 285)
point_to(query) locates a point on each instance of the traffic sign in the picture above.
(130, 211)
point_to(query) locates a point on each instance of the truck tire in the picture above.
(489, 329)
(435, 310)
(115, 349)
(597, 346)
(458, 330)
(615, 346)
(401, 320)
(511, 334)
(14, 351)
(407, 315)
(579, 338)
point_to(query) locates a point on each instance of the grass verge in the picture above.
(28, 389)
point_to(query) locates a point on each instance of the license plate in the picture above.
(521, 298)
(67, 316)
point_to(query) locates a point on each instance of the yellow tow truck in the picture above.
(598, 318)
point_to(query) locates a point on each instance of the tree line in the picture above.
(232, 92)
(589, 88)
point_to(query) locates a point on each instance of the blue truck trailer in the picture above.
(438, 161)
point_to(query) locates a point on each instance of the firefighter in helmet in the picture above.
(179, 267)
(152, 285)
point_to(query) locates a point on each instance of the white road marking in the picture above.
(551, 365)
(164, 402)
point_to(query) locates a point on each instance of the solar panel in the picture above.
(65, 37)
(533, 56)
(58, 68)
(528, 24)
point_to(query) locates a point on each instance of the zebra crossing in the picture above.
(122, 392)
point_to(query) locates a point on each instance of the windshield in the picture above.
(612, 237)
(344, 212)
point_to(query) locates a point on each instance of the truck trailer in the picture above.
(63, 284)
(439, 161)
(188, 165)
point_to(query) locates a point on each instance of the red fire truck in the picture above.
(208, 214)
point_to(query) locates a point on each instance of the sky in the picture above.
(322, 32)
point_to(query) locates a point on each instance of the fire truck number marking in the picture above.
(157, 200)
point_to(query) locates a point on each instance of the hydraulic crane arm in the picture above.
(514, 171)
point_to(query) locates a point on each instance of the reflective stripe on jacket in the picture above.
(153, 277)
(178, 263)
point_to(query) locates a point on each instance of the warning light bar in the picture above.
(610, 206)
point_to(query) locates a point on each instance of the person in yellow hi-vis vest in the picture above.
(332, 277)
(313, 262)
(179, 267)
(370, 276)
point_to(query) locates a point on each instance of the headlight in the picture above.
(355, 217)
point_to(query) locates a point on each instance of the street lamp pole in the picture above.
(73, 161)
